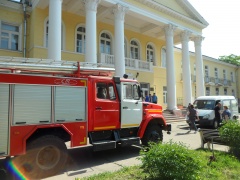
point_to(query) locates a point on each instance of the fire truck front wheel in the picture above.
(45, 157)
(153, 133)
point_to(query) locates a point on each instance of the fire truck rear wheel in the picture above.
(45, 157)
(153, 133)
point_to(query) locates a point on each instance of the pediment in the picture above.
(183, 8)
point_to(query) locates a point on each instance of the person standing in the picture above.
(154, 98)
(192, 114)
(226, 113)
(147, 98)
(150, 98)
(217, 112)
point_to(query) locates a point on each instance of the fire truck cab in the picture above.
(44, 104)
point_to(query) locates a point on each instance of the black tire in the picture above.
(45, 157)
(215, 124)
(153, 133)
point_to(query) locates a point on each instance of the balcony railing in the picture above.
(217, 81)
(134, 64)
(212, 81)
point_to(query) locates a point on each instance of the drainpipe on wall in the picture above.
(24, 28)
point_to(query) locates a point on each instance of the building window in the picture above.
(134, 50)
(233, 92)
(216, 75)
(195, 92)
(164, 94)
(81, 40)
(225, 91)
(217, 91)
(10, 37)
(207, 91)
(216, 72)
(106, 42)
(232, 76)
(224, 74)
(47, 31)
(150, 54)
(164, 57)
(206, 71)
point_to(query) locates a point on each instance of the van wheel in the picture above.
(153, 133)
(45, 157)
(215, 124)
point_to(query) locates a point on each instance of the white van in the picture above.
(205, 108)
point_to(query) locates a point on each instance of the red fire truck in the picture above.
(46, 103)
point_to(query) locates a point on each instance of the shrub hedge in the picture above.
(171, 161)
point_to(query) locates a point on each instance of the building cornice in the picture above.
(159, 7)
(206, 58)
(192, 11)
(13, 6)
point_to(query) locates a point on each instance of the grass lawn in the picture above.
(224, 167)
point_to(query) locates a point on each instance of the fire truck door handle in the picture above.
(79, 119)
(20, 123)
(125, 107)
(43, 121)
(98, 108)
(60, 120)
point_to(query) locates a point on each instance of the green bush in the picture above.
(171, 161)
(230, 133)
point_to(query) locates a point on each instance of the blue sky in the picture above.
(222, 36)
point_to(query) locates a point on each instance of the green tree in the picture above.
(232, 59)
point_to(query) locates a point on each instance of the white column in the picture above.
(119, 55)
(91, 30)
(54, 30)
(199, 66)
(186, 72)
(170, 68)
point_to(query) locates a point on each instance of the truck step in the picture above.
(130, 141)
(103, 145)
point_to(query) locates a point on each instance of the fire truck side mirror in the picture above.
(116, 79)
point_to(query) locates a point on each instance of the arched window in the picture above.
(164, 57)
(150, 54)
(134, 50)
(105, 45)
(81, 40)
(46, 34)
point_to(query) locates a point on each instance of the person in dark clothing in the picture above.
(192, 114)
(217, 112)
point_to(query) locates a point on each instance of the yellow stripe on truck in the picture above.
(105, 127)
(154, 111)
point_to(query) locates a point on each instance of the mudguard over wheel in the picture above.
(153, 133)
(45, 157)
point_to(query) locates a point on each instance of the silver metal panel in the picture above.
(70, 104)
(4, 121)
(32, 104)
